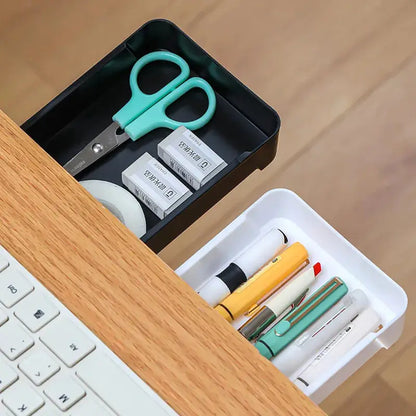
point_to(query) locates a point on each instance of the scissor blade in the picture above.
(104, 143)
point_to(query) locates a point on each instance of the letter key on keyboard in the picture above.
(64, 392)
(35, 311)
(3, 318)
(39, 367)
(22, 400)
(66, 341)
(13, 287)
(7, 376)
(3, 263)
(13, 340)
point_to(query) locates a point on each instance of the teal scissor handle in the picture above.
(155, 116)
(139, 101)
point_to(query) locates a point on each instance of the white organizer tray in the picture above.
(287, 211)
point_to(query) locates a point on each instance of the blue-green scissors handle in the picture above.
(155, 116)
(140, 101)
(145, 112)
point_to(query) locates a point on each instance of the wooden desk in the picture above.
(127, 296)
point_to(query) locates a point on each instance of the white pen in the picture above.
(324, 329)
(218, 287)
(289, 296)
(367, 321)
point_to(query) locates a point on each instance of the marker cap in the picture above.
(264, 350)
(261, 251)
(317, 268)
(218, 287)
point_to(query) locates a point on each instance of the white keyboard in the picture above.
(51, 364)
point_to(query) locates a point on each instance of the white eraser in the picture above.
(190, 157)
(154, 185)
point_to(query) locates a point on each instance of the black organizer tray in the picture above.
(243, 131)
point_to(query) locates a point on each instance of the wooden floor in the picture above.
(342, 76)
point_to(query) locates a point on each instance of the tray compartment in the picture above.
(284, 209)
(243, 130)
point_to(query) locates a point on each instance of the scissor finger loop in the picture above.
(145, 112)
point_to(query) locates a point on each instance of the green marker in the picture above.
(297, 321)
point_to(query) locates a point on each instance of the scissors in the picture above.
(145, 112)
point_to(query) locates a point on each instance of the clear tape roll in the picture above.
(120, 203)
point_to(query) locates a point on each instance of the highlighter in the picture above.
(301, 318)
(366, 322)
(264, 281)
(218, 287)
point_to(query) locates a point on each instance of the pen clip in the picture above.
(300, 299)
(300, 312)
(253, 310)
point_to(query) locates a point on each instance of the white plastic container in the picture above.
(284, 209)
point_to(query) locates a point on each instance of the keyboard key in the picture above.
(3, 317)
(13, 287)
(21, 400)
(7, 376)
(68, 342)
(4, 263)
(116, 389)
(39, 367)
(13, 340)
(35, 311)
(90, 408)
(64, 392)
(48, 412)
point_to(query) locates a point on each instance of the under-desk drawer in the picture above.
(283, 209)
(243, 130)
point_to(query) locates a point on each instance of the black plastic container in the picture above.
(243, 131)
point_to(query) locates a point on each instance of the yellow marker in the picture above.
(263, 282)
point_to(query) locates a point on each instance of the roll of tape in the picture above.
(120, 203)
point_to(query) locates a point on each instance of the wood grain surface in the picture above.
(342, 77)
(127, 296)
